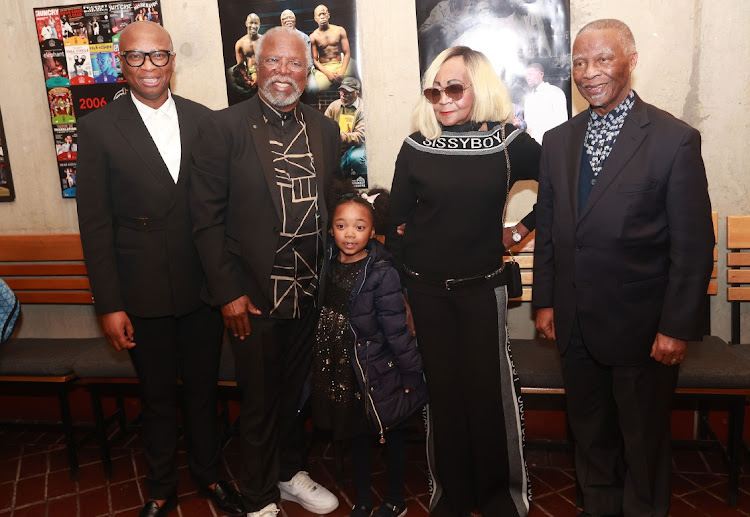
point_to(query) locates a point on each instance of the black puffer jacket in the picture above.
(385, 356)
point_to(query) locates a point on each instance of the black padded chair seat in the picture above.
(709, 364)
(537, 363)
(44, 357)
(743, 349)
(104, 362)
(713, 364)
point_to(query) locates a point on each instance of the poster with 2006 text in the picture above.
(78, 45)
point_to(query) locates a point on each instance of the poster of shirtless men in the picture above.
(329, 27)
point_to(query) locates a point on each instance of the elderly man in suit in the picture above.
(260, 172)
(144, 269)
(624, 244)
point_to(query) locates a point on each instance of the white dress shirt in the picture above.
(164, 128)
(544, 108)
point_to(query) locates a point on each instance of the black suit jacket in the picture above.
(637, 259)
(134, 220)
(235, 202)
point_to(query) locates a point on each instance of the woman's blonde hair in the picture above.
(491, 98)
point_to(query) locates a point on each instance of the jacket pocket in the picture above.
(635, 187)
(651, 288)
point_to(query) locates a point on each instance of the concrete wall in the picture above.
(693, 63)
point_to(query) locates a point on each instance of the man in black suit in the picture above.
(144, 269)
(260, 172)
(624, 252)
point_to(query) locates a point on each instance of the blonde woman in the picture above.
(449, 189)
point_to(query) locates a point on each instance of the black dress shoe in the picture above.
(226, 498)
(152, 508)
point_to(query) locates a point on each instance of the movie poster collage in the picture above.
(7, 192)
(331, 32)
(79, 50)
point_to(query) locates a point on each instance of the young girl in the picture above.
(367, 371)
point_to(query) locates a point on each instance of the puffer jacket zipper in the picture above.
(362, 370)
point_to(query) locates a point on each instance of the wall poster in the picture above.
(7, 192)
(527, 42)
(78, 45)
(333, 82)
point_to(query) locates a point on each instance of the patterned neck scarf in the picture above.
(602, 132)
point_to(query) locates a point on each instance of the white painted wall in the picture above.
(694, 61)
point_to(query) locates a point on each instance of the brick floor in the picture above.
(34, 481)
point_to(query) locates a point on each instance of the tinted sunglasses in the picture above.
(453, 91)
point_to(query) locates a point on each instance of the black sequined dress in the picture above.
(336, 401)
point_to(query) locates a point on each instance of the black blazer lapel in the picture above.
(574, 144)
(187, 132)
(628, 141)
(259, 136)
(142, 146)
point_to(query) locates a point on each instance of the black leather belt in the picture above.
(141, 224)
(452, 283)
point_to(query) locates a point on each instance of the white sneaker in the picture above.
(310, 495)
(267, 511)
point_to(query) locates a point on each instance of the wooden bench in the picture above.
(46, 269)
(712, 369)
(738, 270)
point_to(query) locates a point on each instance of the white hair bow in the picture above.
(370, 199)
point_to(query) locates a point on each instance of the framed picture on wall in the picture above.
(527, 42)
(7, 192)
(331, 33)
(79, 47)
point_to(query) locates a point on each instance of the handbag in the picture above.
(514, 285)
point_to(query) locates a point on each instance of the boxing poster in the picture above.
(7, 192)
(526, 41)
(331, 33)
(79, 45)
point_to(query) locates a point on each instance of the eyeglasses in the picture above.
(136, 58)
(453, 91)
(274, 63)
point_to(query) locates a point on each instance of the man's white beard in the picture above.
(280, 99)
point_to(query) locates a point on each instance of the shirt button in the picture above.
(579, 246)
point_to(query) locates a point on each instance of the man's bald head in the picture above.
(143, 43)
(288, 18)
(322, 16)
(252, 22)
(144, 28)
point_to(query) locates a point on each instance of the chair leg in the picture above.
(734, 447)
(67, 422)
(101, 431)
(122, 418)
(704, 428)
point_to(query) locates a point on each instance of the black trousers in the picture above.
(475, 429)
(186, 347)
(271, 365)
(619, 416)
(395, 449)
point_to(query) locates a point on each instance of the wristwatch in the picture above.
(516, 236)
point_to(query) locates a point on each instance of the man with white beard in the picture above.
(260, 170)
